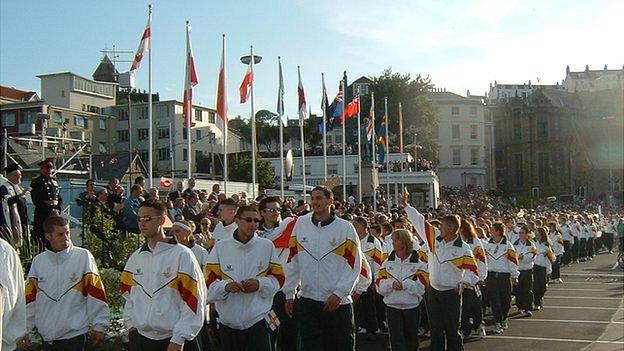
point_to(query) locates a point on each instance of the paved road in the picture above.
(586, 312)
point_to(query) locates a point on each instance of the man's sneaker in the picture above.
(362, 330)
(498, 329)
(465, 335)
(560, 280)
(505, 324)
(481, 332)
(528, 313)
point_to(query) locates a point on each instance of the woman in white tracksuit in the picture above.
(471, 303)
(543, 266)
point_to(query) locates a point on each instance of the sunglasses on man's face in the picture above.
(148, 218)
(249, 220)
(272, 210)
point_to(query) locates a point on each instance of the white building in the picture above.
(464, 156)
(503, 92)
(170, 137)
(593, 80)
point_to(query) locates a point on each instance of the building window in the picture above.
(184, 135)
(517, 131)
(518, 169)
(164, 154)
(473, 110)
(57, 117)
(211, 117)
(123, 114)
(184, 155)
(80, 121)
(455, 110)
(473, 180)
(163, 133)
(102, 147)
(102, 124)
(456, 156)
(332, 168)
(474, 132)
(308, 169)
(142, 113)
(198, 134)
(543, 164)
(474, 156)
(8, 119)
(455, 131)
(143, 133)
(198, 115)
(122, 136)
(542, 128)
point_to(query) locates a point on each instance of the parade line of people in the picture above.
(271, 275)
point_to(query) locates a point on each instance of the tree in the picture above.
(240, 170)
(241, 126)
(267, 128)
(419, 114)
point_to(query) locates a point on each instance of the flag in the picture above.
(165, 182)
(369, 128)
(325, 108)
(222, 107)
(245, 86)
(303, 108)
(352, 108)
(382, 140)
(280, 91)
(143, 46)
(190, 80)
(335, 111)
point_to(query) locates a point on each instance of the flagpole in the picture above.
(188, 108)
(388, 153)
(280, 112)
(325, 110)
(401, 145)
(253, 127)
(359, 140)
(374, 140)
(225, 125)
(344, 143)
(171, 152)
(302, 142)
(149, 105)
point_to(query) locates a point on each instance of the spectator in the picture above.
(131, 209)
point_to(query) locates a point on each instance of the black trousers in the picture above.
(582, 248)
(255, 338)
(285, 337)
(608, 240)
(499, 293)
(524, 290)
(324, 331)
(403, 328)
(380, 309)
(424, 315)
(567, 255)
(539, 284)
(365, 311)
(139, 342)
(77, 343)
(471, 309)
(590, 247)
(444, 314)
(556, 268)
(574, 253)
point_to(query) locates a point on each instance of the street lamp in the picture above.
(252, 60)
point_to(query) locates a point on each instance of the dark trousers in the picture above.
(499, 293)
(574, 253)
(324, 331)
(424, 315)
(444, 314)
(365, 311)
(380, 308)
(471, 309)
(254, 338)
(556, 268)
(608, 240)
(582, 248)
(139, 342)
(77, 343)
(539, 284)
(285, 337)
(590, 247)
(524, 290)
(567, 257)
(403, 328)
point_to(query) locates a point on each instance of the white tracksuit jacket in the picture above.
(12, 304)
(411, 273)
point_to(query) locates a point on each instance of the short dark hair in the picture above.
(139, 179)
(90, 180)
(244, 209)
(156, 205)
(228, 202)
(269, 199)
(326, 191)
(499, 227)
(387, 227)
(54, 221)
(136, 187)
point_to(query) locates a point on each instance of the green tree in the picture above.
(240, 166)
(267, 128)
(419, 114)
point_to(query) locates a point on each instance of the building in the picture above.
(501, 93)
(464, 147)
(593, 80)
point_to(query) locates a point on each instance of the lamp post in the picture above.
(247, 60)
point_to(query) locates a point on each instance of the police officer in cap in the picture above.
(45, 195)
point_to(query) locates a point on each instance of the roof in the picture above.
(113, 165)
(106, 71)
(17, 94)
(556, 97)
(72, 74)
(363, 79)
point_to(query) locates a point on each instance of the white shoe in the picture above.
(560, 280)
(482, 333)
(498, 329)
(362, 331)
(528, 313)
(505, 324)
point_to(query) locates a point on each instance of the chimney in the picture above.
(467, 93)
(490, 85)
(605, 67)
(586, 68)
(567, 69)
(529, 83)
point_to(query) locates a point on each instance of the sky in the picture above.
(460, 45)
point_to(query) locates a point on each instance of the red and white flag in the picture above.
(245, 86)
(143, 46)
(352, 108)
(303, 109)
(190, 79)
(369, 129)
(221, 120)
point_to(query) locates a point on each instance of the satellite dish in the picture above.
(289, 165)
